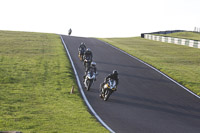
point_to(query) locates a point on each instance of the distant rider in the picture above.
(92, 68)
(70, 32)
(113, 76)
(88, 55)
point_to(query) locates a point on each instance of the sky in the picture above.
(99, 18)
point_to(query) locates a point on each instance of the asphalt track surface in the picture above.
(145, 101)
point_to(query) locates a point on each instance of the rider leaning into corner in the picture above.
(91, 68)
(113, 76)
(88, 55)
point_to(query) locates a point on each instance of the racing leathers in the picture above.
(87, 56)
(82, 49)
(111, 76)
(91, 69)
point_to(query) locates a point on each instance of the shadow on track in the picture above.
(150, 104)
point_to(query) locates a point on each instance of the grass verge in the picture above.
(182, 63)
(35, 81)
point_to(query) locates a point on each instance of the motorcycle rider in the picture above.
(88, 55)
(69, 31)
(91, 68)
(113, 76)
(82, 47)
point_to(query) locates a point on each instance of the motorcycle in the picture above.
(89, 79)
(81, 54)
(107, 89)
(87, 63)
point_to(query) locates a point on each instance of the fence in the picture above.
(179, 41)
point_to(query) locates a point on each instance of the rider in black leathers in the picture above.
(88, 55)
(82, 47)
(114, 76)
(69, 31)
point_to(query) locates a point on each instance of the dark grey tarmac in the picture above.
(145, 101)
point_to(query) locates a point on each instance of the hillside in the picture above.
(35, 83)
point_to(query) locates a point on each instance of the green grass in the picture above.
(35, 82)
(182, 63)
(185, 35)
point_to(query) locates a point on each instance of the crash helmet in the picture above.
(88, 49)
(115, 72)
(93, 64)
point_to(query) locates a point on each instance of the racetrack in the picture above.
(146, 101)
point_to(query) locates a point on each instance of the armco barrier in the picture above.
(179, 41)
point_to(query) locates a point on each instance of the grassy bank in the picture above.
(182, 63)
(185, 35)
(35, 82)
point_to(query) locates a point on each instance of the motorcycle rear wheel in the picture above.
(80, 57)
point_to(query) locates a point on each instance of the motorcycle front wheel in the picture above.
(89, 83)
(107, 94)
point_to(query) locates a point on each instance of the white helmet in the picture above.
(88, 49)
(93, 64)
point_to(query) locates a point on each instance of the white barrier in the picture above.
(179, 41)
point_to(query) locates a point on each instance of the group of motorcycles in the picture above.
(106, 88)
